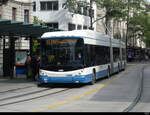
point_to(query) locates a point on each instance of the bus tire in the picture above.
(93, 78)
(118, 68)
(40, 85)
(108, 72)
(124, 67)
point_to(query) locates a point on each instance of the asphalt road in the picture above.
(107, 95)
(144, 103)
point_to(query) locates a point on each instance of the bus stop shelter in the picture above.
(13, 30)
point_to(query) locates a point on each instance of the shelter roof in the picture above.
(15, 28)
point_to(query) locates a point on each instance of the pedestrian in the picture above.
(38, 59)
(28, 67)
(35, 67)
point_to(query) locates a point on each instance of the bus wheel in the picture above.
(40, 85)
(124, 67)
(93, 78)
(118, 68)
(108, 72)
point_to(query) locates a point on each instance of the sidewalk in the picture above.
(19, 82)
(16, 79)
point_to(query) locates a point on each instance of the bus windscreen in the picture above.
(62, 54)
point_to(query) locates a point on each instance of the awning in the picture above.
(15, 28)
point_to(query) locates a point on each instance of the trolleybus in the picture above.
(79, 56)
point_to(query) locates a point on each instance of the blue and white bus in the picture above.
(79, 56)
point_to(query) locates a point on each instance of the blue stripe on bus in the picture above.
(68, 79)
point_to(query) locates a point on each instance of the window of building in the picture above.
(55, 5)
(85, 27)
(49, 5)
(26, 16)
(53, 25)
(14, 13)
(43, 5)
(34, 6)
(85, 11)
(71, 27)
(79, 27)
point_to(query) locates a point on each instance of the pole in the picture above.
(127, 31)
(111, 54)
(12, 56)
(111, 48)
(91, 17)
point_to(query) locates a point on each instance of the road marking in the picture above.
(76, 97)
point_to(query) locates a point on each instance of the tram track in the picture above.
(139, 93)
(16, 89)
(22, 95)
(3, 103)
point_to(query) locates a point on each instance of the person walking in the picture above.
(38, 59)
(35, 67)
(28, 67)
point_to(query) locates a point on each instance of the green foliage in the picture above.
(141, 24)
(35, 43)
(35, 46)
(114, 8)
(37, 21)
(70, 4)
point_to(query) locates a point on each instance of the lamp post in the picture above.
(91, 13)
(90, 10)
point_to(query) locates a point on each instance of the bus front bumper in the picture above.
(71, 79)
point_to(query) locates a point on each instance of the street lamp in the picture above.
(90, 10)
(91, 14)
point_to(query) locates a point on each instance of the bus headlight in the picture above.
(42, 73)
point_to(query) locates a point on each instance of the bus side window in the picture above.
(87, 55)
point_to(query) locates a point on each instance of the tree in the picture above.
(139, 26)
(35, 42)
(37, 21)
(114, 9)
(134, 8)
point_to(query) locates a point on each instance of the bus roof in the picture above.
(74, 33)
(79, 34)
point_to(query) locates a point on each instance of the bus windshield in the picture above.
(62, 54)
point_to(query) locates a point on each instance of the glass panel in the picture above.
(49, 6)
(64, 54)
(43, 5)
(55, 5)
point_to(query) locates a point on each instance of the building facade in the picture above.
(56, 16)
